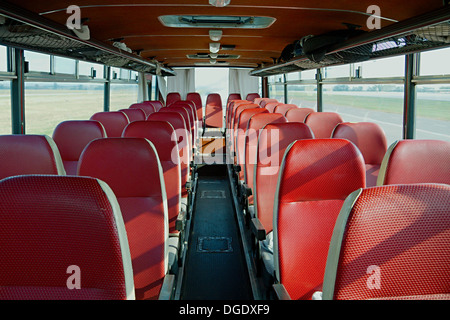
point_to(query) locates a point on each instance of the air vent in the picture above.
(241, 22)
(206, 56)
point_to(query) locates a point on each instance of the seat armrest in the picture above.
(257, 229)
(181, 221)
(281, 292)
(167, 287)
(246, 190)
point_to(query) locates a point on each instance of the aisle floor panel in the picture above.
(215, 266)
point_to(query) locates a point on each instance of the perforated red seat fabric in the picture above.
(252, 96)
(161, 134)
(271, 106)
(191, 114)
(113, 121)
(370, 139)
(197, 99)
(55, 228)
(29, 154)
(283, 108)
(134, 114)
(172, 97)
(231, 107)
(178, 123)
(298, 115)
(316, 176)
(416, 161)
(391, 242)
(213, 111)
(146, 107)
(235, 121)
(256, 123)
(323, 123)
(131, 167)
(187, 119)
(72, 136)
(272, 143)
(242, 125)
(265, 101)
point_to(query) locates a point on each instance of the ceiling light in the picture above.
(219, 3)
(215, 35)
(212, 61)
(213, 55)
(214, 47)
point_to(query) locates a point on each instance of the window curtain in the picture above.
(240, 81)
(142, 87)
(162, 87)
(183, 82)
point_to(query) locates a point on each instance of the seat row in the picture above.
(293, 184)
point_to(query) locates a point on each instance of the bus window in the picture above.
(432, 62)
(212, 80)
(3, 59)
(432, 112)
(303, 96)
(37, 62)
(49, 103)
(64, 65)
(85, 69)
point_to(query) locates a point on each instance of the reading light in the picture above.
(219, 3)
(215, 35)
(212, 61)
(214, 47)
(213, 55)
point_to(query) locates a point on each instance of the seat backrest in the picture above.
(135, 114)
(146, 107)
(416, 161)
(62, 238)
(370, 139)
(235, 122)
(230, 110)
(113, 121)
(163, 137)
(197, 99)
(155, 103)
(391, 242)
(192, 116)
(298, 114)
(265, 101)
(213, 111)
(182, 135)
(323, 123)
(273, 141)
(316, 176)
(172, 97)
(243, 120)
(29, 154)
(271, 106)
(252, 96)
(71, 137)
(282, 108)
(131, 167)
(254, 126)
(183, 110)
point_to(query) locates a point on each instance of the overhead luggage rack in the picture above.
(428, 31)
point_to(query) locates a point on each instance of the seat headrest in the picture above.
(130, 166)
(134, 114)
(258, 121)
(146, 107)
(321, 169)
(298, 114)
(323, 123)
(29, 154)
(113, 121)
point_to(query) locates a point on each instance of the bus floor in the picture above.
(215, 267)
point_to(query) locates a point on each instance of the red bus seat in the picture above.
(233, 96)
(29, 154)
(146, 107)
(197, 99)
(265, 101)
(370, 139)
(316, 176)
(298, 115)
(113, 121)
(282, 108)
(55, 228)
(172, 97)
(134, 114)
(72, 137)
(161, 134)
(157, 105)
(391, 243)
(323, 123)
(131, 167)
(416, 161)
(252, 96)
(271, 106)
